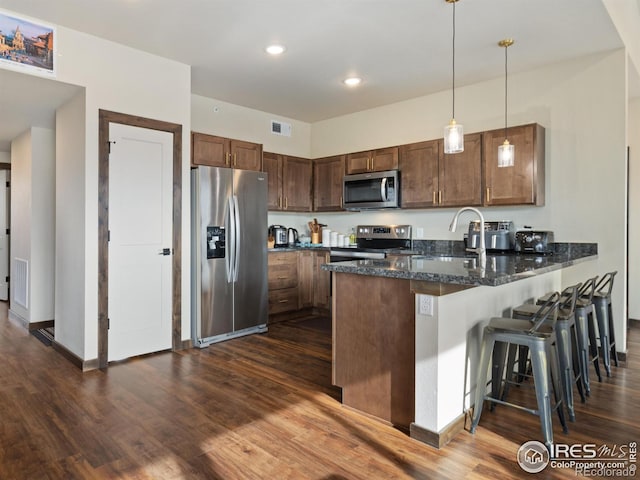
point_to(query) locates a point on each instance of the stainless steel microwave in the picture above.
(372, 190)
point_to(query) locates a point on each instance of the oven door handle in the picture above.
(383, 189)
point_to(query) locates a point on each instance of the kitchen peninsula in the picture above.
(407, 329)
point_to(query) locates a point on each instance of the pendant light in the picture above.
(506, 151)
(453, 134)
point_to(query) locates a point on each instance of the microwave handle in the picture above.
(383, 189)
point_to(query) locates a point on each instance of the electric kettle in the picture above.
(292, 234)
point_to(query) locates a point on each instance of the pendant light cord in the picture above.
(505, 91)
(453, 66)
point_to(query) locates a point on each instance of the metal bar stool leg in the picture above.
(614, 352)
(540, 367)
(563, 347)
(582, 333)
(576, 364)
(497, 369)
(602, 316)
(511, 359)
(481, 384)
(593, 343)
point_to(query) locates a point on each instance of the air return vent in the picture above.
(280, 128)
(21, 283)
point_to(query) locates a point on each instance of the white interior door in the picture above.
(140, 228)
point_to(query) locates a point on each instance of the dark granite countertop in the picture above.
(462, 268)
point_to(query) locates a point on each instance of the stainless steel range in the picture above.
(376, 242)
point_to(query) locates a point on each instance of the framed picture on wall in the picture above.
(27, 45)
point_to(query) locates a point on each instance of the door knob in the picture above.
(165, 251)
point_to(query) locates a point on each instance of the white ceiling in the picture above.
(401, 48)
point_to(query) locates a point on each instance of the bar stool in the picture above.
(585, 327)
(567, 352)
(539, 337)
(604, 315)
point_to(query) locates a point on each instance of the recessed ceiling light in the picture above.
(275, 49)
(352, 81)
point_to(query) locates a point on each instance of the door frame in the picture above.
(105, 118)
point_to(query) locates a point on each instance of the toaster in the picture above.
(534, 241)
(498, 236)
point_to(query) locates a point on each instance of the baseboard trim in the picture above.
(40, 325)
(437, 439)
(84, 365)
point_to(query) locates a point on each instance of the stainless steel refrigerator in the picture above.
(229, 253)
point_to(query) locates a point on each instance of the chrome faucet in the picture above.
(481, 250)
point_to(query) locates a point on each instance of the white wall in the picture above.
(70, 224)
(215, 117)
(32, 214)
(5, 157)
(634, 207)
(120, 79)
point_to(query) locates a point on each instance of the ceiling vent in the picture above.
(280, 128)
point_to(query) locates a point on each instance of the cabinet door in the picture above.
(327, 184)
(419, 174)
(358, 162)
(305, 278)
(522, 184)
(209, 150)
(460, 174)
(322, 281)
(384, 159)
(272, 164)
(246, 155)
(296, 184)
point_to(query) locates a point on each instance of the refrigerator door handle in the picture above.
(236, 233)
(228, 261)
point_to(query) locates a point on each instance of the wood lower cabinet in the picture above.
(372, 160)
(431, 178)
(522, 184)
(328, 174)
(283, 282)
(374, 347)
(290, 186)
(297, 281)
(306, 266)
(321, 281)
(214, 151)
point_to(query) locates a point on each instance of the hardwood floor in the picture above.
(259, 407)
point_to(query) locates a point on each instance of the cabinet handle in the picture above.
(372, 163)
(227, 158)
(439, 197)
(235, 159)
(283, 301)
(434, 197)
(286, 202)
(341, 202)
(283, 278)
(488, 195)
(279, 201)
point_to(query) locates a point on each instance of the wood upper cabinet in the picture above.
(373, 160)
(327, 183)
(429, 178)
(460, 174)
(214, 151)
(522, 184)
(419, 174)
(289, 187)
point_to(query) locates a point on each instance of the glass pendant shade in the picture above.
(506, 154)
(453, 138)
